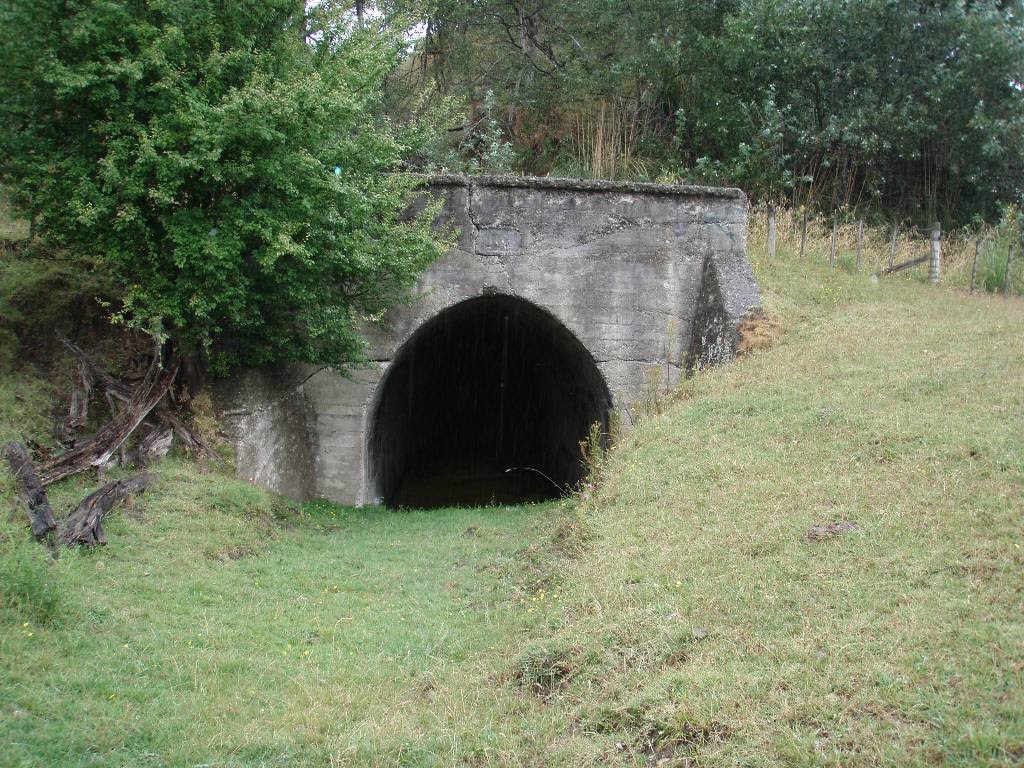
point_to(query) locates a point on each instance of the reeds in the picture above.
(601, 141)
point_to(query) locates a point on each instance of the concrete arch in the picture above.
(644, 277)
(485, 401)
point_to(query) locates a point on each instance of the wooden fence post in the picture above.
(974, 267)
(771, 231)
(860, 244)
(892, 244)
(832, 252)
(935, 262)
(803, 235)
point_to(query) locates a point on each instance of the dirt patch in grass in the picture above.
(672, 740)
(227, 554)
(677, 745)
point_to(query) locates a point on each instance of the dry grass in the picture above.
(601, 140)
(757, 331)
(879, 250)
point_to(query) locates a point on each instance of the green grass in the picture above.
(892, 405)
(695, 626)
(24, 408)
(222, 628)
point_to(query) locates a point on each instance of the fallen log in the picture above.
(97, 451)
(77, 416)
(192, 442)
(30, 490)
(155, 444)
(904, 265)
(85, 523)
(114, 389)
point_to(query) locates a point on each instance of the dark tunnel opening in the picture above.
(487, 403)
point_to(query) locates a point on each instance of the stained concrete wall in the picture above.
(646, 276)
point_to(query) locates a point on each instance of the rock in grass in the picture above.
(831, 530)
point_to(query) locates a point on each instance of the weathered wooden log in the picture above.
(155, 444)
(103, 380)
(69, 427)
(191, 441)
(85, 523)
(78, 412)
(905, 265)
(115, 389)
(30, 490)
(97, 451)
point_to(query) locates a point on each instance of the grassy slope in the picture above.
(698, 624)
(895, 406)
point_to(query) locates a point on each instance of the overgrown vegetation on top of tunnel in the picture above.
(890, 110)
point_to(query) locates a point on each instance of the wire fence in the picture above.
(985, 258)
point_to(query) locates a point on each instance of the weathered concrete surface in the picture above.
(645, 276)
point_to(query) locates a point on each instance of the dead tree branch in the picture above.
(97, 451)
(78, 410)
(115, 389)
(85, 523)
(155, 444)
(30, 490)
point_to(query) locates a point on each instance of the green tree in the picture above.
(907, 105)
(915, 106)
(224, 165)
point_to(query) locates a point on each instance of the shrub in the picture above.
(226, 166)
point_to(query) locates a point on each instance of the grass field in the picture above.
(677, 614)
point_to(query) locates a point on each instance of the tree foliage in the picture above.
(912, 105)
(224, 165)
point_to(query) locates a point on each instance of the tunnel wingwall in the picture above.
(651, 279)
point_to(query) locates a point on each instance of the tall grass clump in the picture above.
(1000, 258)
(601, 143)
(29, 588)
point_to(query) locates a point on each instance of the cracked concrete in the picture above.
(645, 276)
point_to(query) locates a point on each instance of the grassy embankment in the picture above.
(694, 623)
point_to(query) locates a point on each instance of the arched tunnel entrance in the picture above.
(486, 403)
